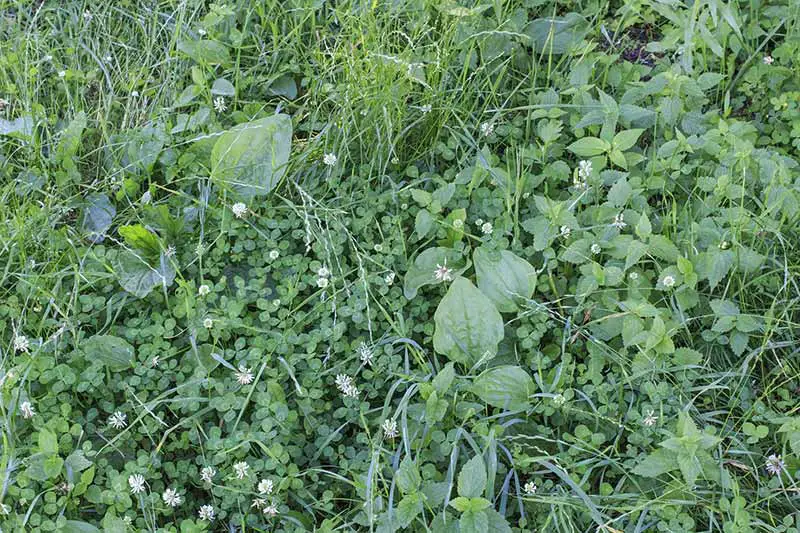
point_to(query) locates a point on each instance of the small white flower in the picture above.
(146, 198)
(487, 128)
(650, 418)
(244, 376)
(48, 57)
(559, 400)
(768, 60)
(128, 520)
(585, 169)
(478, 221)
(118, 420)
(378, 247)
(241, 469)
(21, 343)
(774, 465)
(200, 249)
(62, 73)
(206, 512)
(87, 15)
(201, 31)
(171, 497)
(134, 94)
(27, 409)
(530, 488)
(442, 273)
(365, 353)
(323, 272)
(265, 486)
(271, 509)
(345, 385)
(486, 228)
(668, 281)
(203, 290)
(389, 427)
(274, 254)
(579, 183)
(425, 109)
(136, 482)
(389, 278)
(207, 473)
(596, 249)
(170, 251)
(108, 59)
(458, 223)
(724, 245)
(322, 282)
(619, 221)
(239, 209)
(633, 276)
(258, 503)
(155, 361)
(219, 105)
(208, 323)
(565, 231)
(330, 159)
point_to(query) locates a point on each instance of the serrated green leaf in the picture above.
(472, 478)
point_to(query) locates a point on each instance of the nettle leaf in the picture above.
(113, 352)
(714, 266)
(626, 139)
(251, 158)
(589, 147)
(408, 508)
(468, 326)
(421, 273)
(620, 193)
(408, 478)
(472, 478)
(502, 276)
(507, 387)
(497, 523)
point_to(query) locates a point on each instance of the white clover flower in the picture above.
(241, 469)
(389, 427)
(584, 169)
(207, 473)
(559, 400)
(650, 418)
(596, 249)
(345, 385)
(487, 128)
(62, 73)
(118, 420)
(87, 15)
(322, 282)
(155, 361)
(619, 221)
(171, 497)
(530, 488)
(323, 272)
(170, 251)
(378, 247)
(27, 409)
(265, 486)
(21, 343)
(134, 94)
(244, 376)
(203, 290)
(565, 231)
(389, 278)
(458, 223)
(478, 221)
(200, 249)
(668, 281)
(208, 323)
(365, 353)
(128, 520)
(442, 273)
(274, 254)
(258, 503)
(201, 31)
(633, 276)
(219, 105)
(330, 159)
(239, 209)
(425, 109)
(206, 512)
(136, 482)
(486, 228)
(271, 509)
(768, 60)
(579, 183)
(146, 198)
(774, 465)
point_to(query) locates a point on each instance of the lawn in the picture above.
(473, 266)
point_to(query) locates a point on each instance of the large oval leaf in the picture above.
(507, 387)
(112, 351)
(138, 277)
(251, 158)
(421, 273)
(468, 327)
(502, 275)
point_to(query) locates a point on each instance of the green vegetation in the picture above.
(297, 265)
